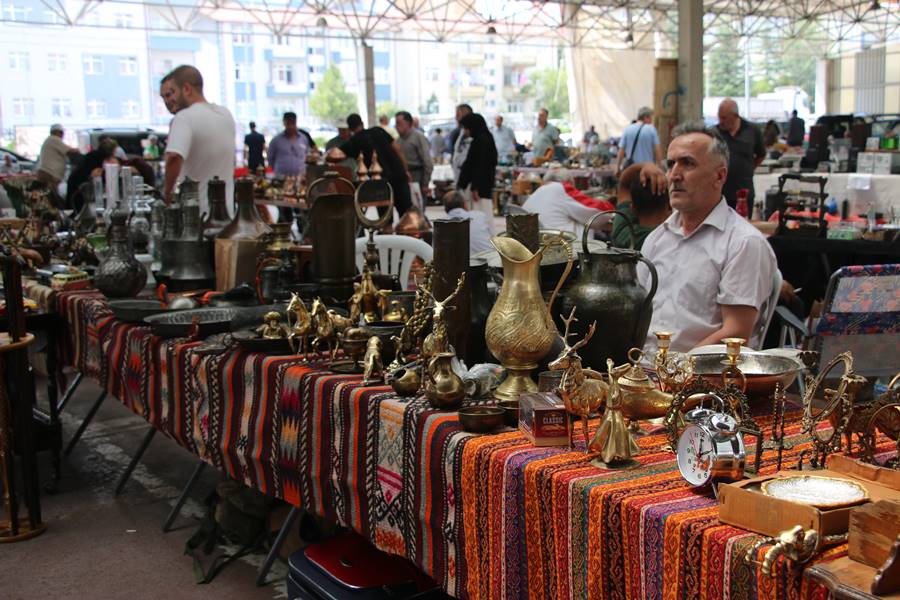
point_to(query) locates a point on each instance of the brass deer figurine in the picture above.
(583, 390)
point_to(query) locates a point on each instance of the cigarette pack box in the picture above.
(543, 419)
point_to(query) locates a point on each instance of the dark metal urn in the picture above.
(191, 268)
(607, 291)
(120, 274)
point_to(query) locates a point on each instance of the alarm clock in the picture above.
(711, 449)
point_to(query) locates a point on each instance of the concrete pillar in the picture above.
(366, 72)
(690, 59)
(823, 87)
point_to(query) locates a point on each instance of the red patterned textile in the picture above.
(487, 516)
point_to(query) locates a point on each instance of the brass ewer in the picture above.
(519, 330)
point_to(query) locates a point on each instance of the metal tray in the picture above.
(250, 341)
(178, 323)
(135, 311)
(763, 371)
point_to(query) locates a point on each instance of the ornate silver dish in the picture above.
(818, 491)
(763, 371)
(178, 323)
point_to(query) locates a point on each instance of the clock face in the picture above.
(695, 455)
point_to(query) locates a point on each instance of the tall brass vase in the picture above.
(520, 330)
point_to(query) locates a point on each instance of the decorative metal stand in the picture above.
(16, 422)
(835, 405)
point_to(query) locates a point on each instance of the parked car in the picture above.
(131, 140)
(20, 164)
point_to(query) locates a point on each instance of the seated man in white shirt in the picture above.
(557, 210)
(479, 231)
(715, 269)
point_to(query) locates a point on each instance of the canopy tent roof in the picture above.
(610, 24)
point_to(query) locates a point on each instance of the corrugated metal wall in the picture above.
(870, 81)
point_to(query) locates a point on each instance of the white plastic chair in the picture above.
(397, 253)
(766, 312)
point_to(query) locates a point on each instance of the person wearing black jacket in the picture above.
(93, 160)
(390, 157)
(479, 169)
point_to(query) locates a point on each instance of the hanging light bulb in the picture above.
(875, 5)
(492, 30)
(321, 22)
(629, 38)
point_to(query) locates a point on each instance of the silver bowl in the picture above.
(763, 371)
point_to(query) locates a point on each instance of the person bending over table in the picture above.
(715, 269)
(557, 210)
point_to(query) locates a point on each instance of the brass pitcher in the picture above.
(520, 330)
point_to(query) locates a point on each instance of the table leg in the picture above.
(276, 546)
(70, 391)
(123, 479)
(87, 420)
(173, 514)
(52, 393)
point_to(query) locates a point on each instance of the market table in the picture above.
(809, 262)
(860, 189)
(487, 516)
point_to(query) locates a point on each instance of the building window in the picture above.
(61, 107)
(239, 73)
(131, 109)
(492, 87)
(284, 74)
(11, 12)
(57, 62)
(312, 85)
(96, 109)
(18, 61)
(128, 65)
(93, 65)
(54, 18)
(23, 107)
(124, 20)
(240, 39)
(281, 40)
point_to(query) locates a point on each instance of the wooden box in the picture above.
(744, 505)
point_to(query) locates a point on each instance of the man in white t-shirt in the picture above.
(557, 210)
(201, 136)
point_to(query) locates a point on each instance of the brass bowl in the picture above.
(481, 419)
(510, 412)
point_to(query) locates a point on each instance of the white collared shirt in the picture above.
(725, 261)
(479, 231)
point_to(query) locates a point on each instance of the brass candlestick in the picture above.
(731, 373)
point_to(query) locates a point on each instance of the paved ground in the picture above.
(98, 546)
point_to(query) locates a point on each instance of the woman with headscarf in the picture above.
(478, 171)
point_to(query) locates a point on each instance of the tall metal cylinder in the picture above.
(524, 229)
(451, 260)
(333, 231)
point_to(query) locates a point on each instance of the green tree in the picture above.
(331, 101)
(386, 107)
(549, 88)
(431, 106)
(724, 69)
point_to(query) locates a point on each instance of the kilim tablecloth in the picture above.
(486, 516)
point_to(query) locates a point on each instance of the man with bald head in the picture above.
(745, 146)
(716, 270)
(201, 136)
